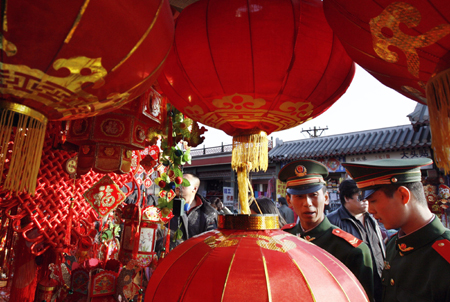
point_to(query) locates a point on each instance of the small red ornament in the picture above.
(178, 180)
(161, 183)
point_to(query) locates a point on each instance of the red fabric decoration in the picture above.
(252, 68)
(399, 43)
(270, 265)
(406, 46)
(99, 57)
(268, 65)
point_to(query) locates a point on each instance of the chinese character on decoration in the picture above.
(104, 196)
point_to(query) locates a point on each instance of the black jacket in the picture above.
(200, 219)
(344, 220)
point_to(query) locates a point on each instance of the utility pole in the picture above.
(315, 131)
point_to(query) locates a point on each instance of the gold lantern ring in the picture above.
(22, 109)
(254, 222)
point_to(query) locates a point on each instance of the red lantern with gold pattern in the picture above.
(406, 46)
(64, 61)
(252, 68)
(249, 259)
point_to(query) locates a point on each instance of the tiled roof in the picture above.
(370, 141)
(419, 116)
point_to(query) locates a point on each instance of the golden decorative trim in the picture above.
(226, 279)
(349, 274)
(22, 109)
(77, 21)
(266, 273)
(142, 38)
(305, 181)
(5, 19)
(249, 222)
(46, 288)
(239, 107)
(339, 284)
(306, 280)
(384, 180)
(392, 16)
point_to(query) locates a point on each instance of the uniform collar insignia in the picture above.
(309, 238)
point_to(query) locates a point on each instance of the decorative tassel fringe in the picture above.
(250, 153)
(438, 101)
(27, 147)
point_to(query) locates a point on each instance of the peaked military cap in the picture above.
(303, 176)
(371, 175)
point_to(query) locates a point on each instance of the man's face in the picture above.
(387, 210)
(355, 206)
(188, 193)
(309, 207)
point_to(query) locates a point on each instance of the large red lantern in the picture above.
(251, 68)
(249, 259)
(406, 46)
(64, 61)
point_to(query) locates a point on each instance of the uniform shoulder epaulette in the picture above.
(443, 248)
(347, 237)
(288, 226)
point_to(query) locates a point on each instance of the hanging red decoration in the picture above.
(406, 46)
(249, 259)
(139, 233)
(106, 141)
(104, 196)
(100, 56)
(252, 68)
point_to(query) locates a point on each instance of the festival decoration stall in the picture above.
(405, 45)
(223, 73)
(106, 142)
(100, 56)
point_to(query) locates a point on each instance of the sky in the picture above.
(366, 105)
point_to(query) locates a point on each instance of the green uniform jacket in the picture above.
(414, 270)
(357, 259)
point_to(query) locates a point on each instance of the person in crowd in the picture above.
(285, 211)
(221, 209)
(199, 215)
(352, 217)
(417, 266)
(266, 206)
(307, 194)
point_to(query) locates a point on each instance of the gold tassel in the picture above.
(438, 101)
(250, 153)
(27, 147)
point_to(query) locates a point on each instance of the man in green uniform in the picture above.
(417, 266)
(307, 194)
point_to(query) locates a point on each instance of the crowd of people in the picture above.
(411, 265)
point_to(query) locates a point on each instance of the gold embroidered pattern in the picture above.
(386, 32)
(275, 243)
(66, 95)
(239, 109)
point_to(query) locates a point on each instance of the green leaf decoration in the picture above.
(185, 183)
(179, 234)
